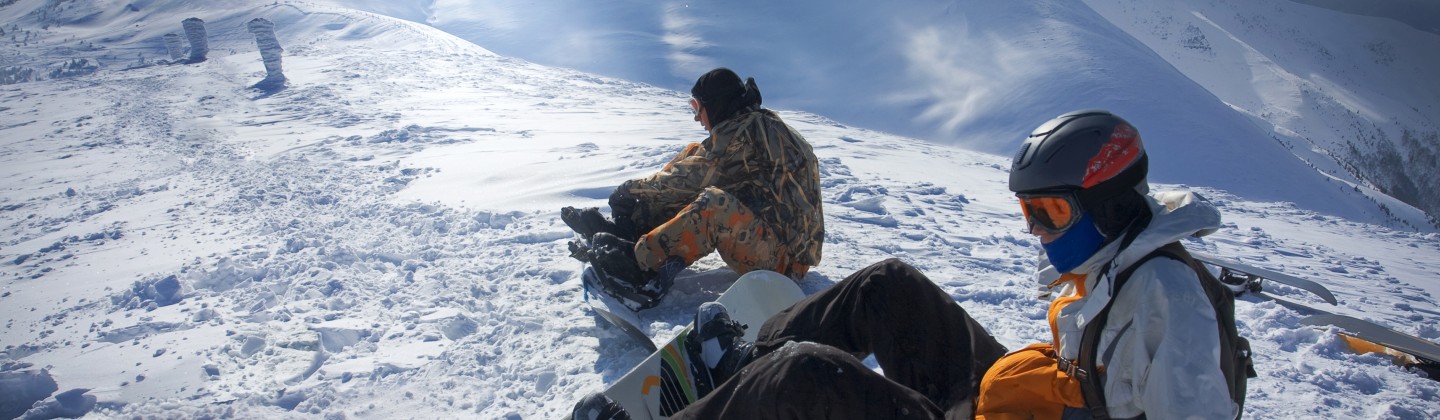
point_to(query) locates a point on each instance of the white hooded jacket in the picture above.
(1160, 346)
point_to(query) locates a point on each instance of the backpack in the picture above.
(1235, 359)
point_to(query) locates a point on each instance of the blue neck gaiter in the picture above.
(1074, 246)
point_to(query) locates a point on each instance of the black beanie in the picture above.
(722, 94)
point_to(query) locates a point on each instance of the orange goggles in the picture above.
(1052, 212)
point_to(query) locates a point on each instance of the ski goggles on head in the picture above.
(694, 106)
(1053, 212)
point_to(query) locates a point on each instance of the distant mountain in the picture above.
(1349, 87)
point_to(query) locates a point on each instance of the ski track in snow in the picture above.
(382, 239)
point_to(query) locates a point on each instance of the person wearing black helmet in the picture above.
(1081, 182)
(1152, 348)
(750, 191)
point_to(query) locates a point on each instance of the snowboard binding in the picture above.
(1239, 282)
(615, 273)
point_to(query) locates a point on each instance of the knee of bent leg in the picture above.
(714, 192)
(896, 273)
(895, 266)
(713, 197)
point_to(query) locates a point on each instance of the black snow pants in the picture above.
(807, 364)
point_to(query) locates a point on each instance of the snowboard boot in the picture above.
(621, 277)
(597, 406)
(716, 347)
(615, 258)
(587, 222)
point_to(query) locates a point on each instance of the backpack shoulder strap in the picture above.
(1085, 370)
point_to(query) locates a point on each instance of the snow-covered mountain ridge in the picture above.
(1354, 103)
(1233, 87)
(381, 239)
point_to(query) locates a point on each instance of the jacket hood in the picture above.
(1175, 215)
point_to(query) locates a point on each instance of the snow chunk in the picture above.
(453, 323)
(336, 335)
(252, 345)
(152, 293)
(228, 274)
(71, 404)
(20, 390)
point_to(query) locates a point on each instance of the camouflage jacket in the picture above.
(760, 160)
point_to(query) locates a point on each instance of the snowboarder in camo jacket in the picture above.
(751, 191)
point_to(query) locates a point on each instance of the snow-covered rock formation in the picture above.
(173, 46)
(270, 51)
(195, 31)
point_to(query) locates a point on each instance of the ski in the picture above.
(1422, 354)
(662, 385)
(1286, 279)
(612, 310)
(1245, 278)
(1427, 352)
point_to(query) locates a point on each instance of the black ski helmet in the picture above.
(1095, 154)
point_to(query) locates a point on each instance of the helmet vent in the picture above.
(1019, 161)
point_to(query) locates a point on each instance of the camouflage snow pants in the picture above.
(717, 221)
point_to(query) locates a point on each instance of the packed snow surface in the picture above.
(381, 239)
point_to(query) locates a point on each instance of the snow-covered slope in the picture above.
(381, 239)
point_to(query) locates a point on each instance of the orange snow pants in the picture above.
(717, 221)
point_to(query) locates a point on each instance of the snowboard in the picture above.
(612, 310)
(1260, 273)
(662, 385)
